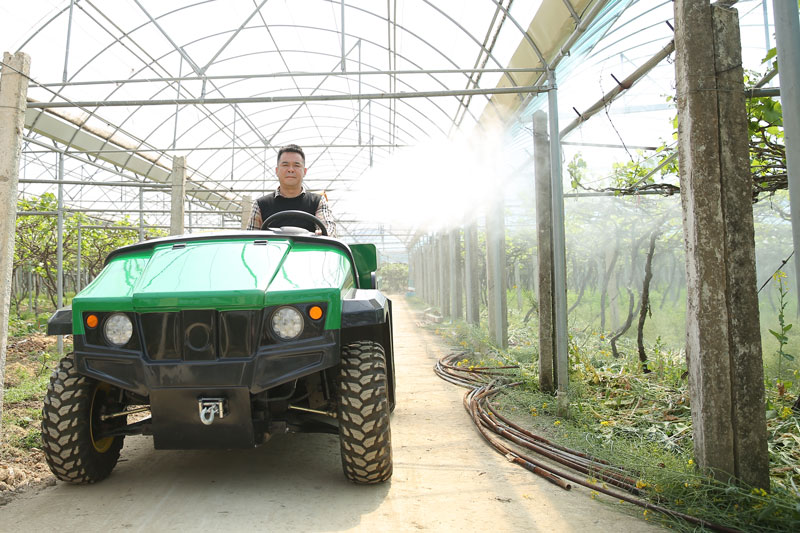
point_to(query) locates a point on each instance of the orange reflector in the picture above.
(315, 312)
(91, 321)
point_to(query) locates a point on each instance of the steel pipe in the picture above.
(280, 99)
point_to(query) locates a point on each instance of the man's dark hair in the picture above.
(291, 148)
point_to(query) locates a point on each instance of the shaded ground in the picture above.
(446, 478)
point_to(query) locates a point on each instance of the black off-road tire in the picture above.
(364, 434)
(70, 420)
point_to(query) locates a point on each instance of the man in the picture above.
(291, 195)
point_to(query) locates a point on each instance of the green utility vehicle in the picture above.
(225, 339)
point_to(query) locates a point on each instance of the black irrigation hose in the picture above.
(483, 384)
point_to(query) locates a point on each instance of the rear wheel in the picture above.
(364, 432)
(72, 428)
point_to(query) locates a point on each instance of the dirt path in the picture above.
(446, 479)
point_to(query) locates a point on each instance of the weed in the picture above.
(783, 327)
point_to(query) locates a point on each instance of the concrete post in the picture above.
(178, 194)
(723, 342)
(13, 91)
(434, 270)
(444, 275)
(544, 239)
(559, 251)
(496, 273)
(60, 248)
(472, 280)
(79, 253)
(247, 208)
(787, 33)
(141, 214)
(456, 296)
(430, 272)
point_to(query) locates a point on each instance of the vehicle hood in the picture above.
(235, 274)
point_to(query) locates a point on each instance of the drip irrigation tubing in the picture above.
(484, 383)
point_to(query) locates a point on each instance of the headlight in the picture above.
(287, 323)
(118, 329)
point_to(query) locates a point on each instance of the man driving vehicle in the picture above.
(292, 196)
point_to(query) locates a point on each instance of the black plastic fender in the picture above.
(61, 322)
(367, 315)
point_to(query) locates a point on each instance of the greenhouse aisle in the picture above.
(445, 479)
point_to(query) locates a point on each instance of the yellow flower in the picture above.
(786, 412)
(640, 484)
(594, 494)
(557, 423)
(544, 405)
(690, 462)
(605, 423)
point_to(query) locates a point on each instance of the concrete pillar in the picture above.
(472, 274)
(444, 274)
(559, 251)
(723, 342)
(456, 295)
(13, 91)
(433, 265)
(787, 34)
(178, 178)
(496, 273)
(544, 239)
(247, 209)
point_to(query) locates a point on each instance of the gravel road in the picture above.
(445, 479)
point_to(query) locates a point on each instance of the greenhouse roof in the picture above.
(391, 101)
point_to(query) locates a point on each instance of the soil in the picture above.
(22, 468)
(445, 478)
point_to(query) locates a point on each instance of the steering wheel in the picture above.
(307, 217)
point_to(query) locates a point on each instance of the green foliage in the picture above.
(393, 277)
(767, 150)
(576, 169)
(639, 421)
(783, 327)
(36, 241)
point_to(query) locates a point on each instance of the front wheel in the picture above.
(72, 426)
(364, 434)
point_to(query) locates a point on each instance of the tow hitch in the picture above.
(211, 408)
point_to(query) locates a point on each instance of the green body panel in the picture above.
(222, 275)
(310, 271)
(366, 258)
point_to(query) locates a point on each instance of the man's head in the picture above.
(291, 169)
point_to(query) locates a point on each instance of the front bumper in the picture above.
(268, 367)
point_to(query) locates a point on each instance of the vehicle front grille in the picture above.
(200, 335)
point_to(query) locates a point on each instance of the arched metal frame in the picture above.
(242, 162)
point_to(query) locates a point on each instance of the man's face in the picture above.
(291, 170)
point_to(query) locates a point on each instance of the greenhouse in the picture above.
(582, 211)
